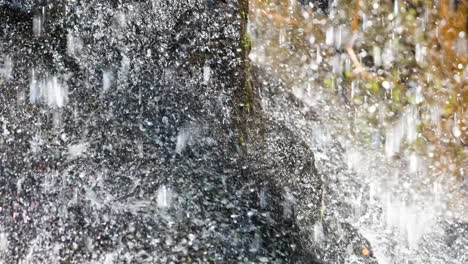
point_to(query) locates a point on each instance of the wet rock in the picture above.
(132, 131)
(120, 139)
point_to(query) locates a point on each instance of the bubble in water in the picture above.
(3, 242)
(48, 90)
(420, 54)
(329, 39)
(38, 25)
(107, 78)
(318, 232)
(393, 139)
(164, 197)
(376, 52)
(6, 67)
(206, 74)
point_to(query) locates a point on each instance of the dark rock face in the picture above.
(128, 133)
(120, 138)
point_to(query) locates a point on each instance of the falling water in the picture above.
(378, 180)
(148, 136)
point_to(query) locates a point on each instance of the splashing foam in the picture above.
(77, 150)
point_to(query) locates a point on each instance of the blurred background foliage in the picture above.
(399, 65)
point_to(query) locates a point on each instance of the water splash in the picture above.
(47, 90)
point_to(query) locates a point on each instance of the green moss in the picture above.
(246, 43)
(348, 75)
(374, 87)
(329, 83)
(245, 96)
(411, 16)
(358, 100)
(396, 95)
(244, 15)
(241, 140)
(249, 93)
(449, 110)
(396, 74)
